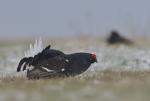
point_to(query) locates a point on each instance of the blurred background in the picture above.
(62, 18)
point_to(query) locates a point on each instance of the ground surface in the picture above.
(122, 74)
(102, 86)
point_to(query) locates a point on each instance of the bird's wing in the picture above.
(57, 64)
(46, 54)
(41, 53)
(37, 57)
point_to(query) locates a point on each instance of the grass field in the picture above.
(100, 86)
(122, 74)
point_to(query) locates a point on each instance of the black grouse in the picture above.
(52, 62)
(116, 38)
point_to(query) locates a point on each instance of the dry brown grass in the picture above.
(104, 85)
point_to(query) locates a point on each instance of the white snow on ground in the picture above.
(120, 58)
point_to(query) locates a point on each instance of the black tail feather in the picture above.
(38, 56)
(24, 67)
(29, 61)
(22, 61)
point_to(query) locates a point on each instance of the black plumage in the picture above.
(47, 64)
(33, 61)
(116, 38)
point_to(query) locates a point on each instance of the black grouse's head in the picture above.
(93, 58)
(115, 33)
(90, 57)
(114, 37)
